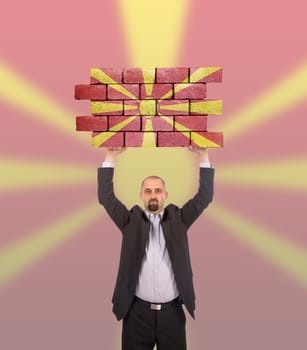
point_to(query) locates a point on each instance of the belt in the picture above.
(156, 306)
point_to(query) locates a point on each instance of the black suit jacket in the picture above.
(134, 226)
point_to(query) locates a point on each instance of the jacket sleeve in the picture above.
(114, 207)
(192, 209)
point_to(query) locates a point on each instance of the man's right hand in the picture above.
(112, 153)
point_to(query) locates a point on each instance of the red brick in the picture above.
(158, 91)
(135, 139)
(133, 75)
(107, 108)
(173, 139)
(123, 92)
(159, 124)
(136, 75)
(92, 123)
(215, 77)
(134, 125)
(216, 137)
(190, 91)
(113, 76)
(181, 107)
(90, 92)
(192, 123)
(115, 139)
(172, 75)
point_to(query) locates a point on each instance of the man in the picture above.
(154, 276)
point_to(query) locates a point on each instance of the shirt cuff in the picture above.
(107, 165)
(205, 165)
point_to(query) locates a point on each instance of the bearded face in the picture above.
(153, 195)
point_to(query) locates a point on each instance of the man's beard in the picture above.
(153, 205)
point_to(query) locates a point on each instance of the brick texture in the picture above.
(90, 92)
(172, 75)
(91, 123)
(173, 139)
(150, 107)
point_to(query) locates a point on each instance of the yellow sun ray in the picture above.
(149, 137)
(105, 107)
(182, 107)
(214, 107)
(20, 255)
(15, 90)
(27, 174)
(285, 94)
(281, 252)
(285, 174)
(153, 30)
(149, 79)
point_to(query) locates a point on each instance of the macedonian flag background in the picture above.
(59, 251)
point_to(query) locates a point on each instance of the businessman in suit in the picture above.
(155, 276)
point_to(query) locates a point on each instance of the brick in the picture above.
(107, 108)
(108, 139)
(156, 91)
(191, 123)
(123, 92)
(158, 107)
(123, 123)
(173, 139)
(90, 92)
(106, 75)
(132, 107)
(205, 75)
(159, 123)
(172, 75)
(190, 91)
(92, 123)
(148, 107)
(141, 139)
(202, 107)
(173, 107)
(207, 139)
(139, 75)
(140, 107)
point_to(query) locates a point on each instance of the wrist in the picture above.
(204, 157)
(109, 158)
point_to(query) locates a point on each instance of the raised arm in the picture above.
(195, 206)
(114, 207)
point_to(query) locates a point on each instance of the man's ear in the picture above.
(166, 194)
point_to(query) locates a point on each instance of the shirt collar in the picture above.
(160, 215)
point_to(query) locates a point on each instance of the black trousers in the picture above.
(144, 328)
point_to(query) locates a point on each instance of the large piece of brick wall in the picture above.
(158, 107)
